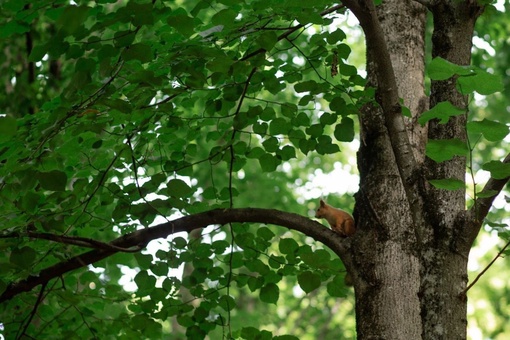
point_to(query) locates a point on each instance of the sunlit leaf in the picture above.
(498, 169)
(491, 130)
(480, 81)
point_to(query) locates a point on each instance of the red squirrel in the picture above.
(339, 220)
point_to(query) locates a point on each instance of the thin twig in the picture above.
(485, 269)
(74, 240)
(292, 30)
(34, 310)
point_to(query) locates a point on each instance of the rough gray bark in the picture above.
(409, 274)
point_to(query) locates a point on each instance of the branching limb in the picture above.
(142, 237)
(389, 100)
(479, 211)
(387, 86)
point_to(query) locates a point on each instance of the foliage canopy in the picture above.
(119, 115)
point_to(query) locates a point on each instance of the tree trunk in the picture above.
(409, 273)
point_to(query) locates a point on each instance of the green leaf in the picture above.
(271, 144)
(328, 119)
(441, 69)
(38, 53)
(309, 281)
(336, 36)
(142, 13)
(180, 20)
(498, 169)
(160, 269)
(288, 110)
(338, 105)
(344, 132)
(442, 111)
(336, 287)
(23, 257)
(145, 282)
(285, 337)
(257, 266)
(227, 302)
(178, 188)
(325, 146)
(255, 283)
(287, 246)
(296, 135)
(13, 27)
(139, 51)
(250, 333)
(8, 128)
(315, 130)
(279, 126)
(185, 320)
(260, 128)
(480, 81)
(143, 260)
(124, 38)
(317, 259)
(487, 193)
(445, 149)
(448, 183)
(267, 40)
(343, 51)
(265, 233)
(30, 201)
(307, 145)
(225, 17)
(491, 130)
(301, 119)
(306, 86)
(53, 180)
(269, 293)
(268, 162)
(72, 18)
(286, 153)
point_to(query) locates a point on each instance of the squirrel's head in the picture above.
(320, 210)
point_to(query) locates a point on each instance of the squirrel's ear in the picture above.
(322, 203)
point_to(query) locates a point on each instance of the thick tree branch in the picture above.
(141, 238)
(386, 86)
(389, 99)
